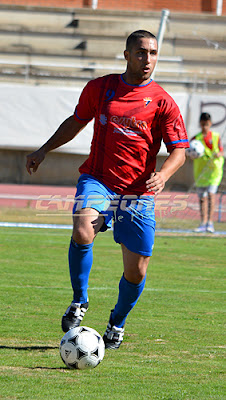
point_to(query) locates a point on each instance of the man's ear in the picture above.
(126, 53)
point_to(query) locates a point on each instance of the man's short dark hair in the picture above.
(205, 117)
(133, 37)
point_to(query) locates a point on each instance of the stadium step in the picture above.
(92, 40)
(109, 21)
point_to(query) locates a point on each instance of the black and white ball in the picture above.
(82, 348)
(195, 150)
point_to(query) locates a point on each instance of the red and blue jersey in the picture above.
(130, 123)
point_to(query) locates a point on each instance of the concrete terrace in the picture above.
(47, 45)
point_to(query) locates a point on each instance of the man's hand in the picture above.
(34, 159)
(174, 161)
(156, 183)
(66, 132)
(218, 154)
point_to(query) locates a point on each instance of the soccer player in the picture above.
(118, 181)
(208, 172)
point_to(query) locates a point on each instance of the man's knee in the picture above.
(211, 196)
(135, 276)
(135, 266)
(203, 199)
(83, 235)
(86, 225)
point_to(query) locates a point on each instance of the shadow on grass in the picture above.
(30, 348)
(39, 348)
(50, 368)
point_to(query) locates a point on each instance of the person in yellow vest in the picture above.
(208, 172)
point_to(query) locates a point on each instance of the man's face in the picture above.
(205, 126)
(141, 61)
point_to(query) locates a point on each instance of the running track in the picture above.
(55, 198)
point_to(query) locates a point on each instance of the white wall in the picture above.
(29, 115)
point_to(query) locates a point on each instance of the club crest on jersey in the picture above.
(147, 100)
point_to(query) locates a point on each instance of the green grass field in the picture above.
(173, 347)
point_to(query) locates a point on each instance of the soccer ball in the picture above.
(82, 348)
(195, 150)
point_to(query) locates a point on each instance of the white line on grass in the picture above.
(60, 226)
(111, 288)
(31, 225)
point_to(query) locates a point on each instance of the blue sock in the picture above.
(80, 262)
(129, 294)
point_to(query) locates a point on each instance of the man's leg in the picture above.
(203, 208)
(203, 201)
(86, 224)
(134, 229)
(131, 285)
(130, 288)
(211, 209)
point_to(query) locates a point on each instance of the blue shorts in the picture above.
(133, 216)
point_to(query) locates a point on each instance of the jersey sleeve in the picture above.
(86, 107)
(172, 126)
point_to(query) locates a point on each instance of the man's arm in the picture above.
(157, 180)
(220, 153)
(66, 132)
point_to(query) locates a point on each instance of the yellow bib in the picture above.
(208, 170)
